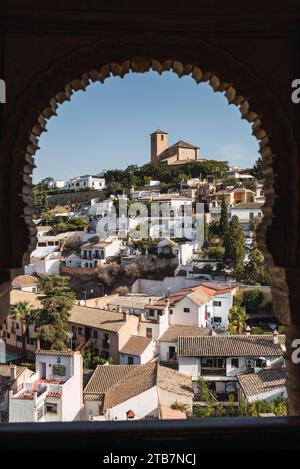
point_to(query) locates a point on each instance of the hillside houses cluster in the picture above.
(156, 349)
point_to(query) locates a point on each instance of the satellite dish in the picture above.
(82, 303)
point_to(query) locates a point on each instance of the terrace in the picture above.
(33, 390)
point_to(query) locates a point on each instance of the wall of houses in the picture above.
(142, 359)
(222, 311)
(72, 399)
(168, 398)
(142, 405)
(189, 366)
(43, 266)
(195, 316)
(164, 349)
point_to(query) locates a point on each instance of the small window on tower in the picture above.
(161, 137)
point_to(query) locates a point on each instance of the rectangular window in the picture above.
(234, 363)
(186, 310)
(217, 319)
(149, 332)
(95, 334)
(19, 338)
(130, 360)
(171, 311)
(51, 408)
(217, 303)
(59, 370)
(151, 313)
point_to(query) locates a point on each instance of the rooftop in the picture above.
(98, 318)
(173, 332)
(118, 383)
(24, 281)
(132, 301)
(264, 381)
(248, 205)
(230, 346)
(183, 144)
(136, 345)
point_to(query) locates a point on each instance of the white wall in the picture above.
(196, 316)
(72, 392)
(164, 349)
(142, 405)
(189, 366)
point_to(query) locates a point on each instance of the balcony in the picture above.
(207, 371)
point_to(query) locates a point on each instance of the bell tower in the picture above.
(159, 142)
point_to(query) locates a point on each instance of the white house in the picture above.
(73, 260)
(219, 359)
(44, 260)
(56, 184)
(129, 392)
(92, 254)
(182, 251)
(86, 182)
(205, 305)
(137, 351)
(27, 283)
(53, 393)
(99, 211)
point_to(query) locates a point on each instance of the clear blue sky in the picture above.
(108, 126)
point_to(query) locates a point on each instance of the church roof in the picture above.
(183, 144)
(159, 131)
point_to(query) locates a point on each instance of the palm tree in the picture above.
(237, 319)
(25, 313)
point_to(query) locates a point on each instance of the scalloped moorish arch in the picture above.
(99, 60)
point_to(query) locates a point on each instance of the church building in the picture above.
(177, 154)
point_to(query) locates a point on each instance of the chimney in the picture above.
(125, 316)
(13, 373)
(275, 337)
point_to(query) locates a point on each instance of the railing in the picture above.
(213, 371)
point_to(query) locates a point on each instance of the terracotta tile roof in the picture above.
(200, 297)
(265, 381)
(183, 144)
(104, 378)
(65, 353)
(230, 346)
(56, 395)
(5, 371)
(159, 131)
(98, 318)
(19, 295)
(173, 332)
(24, 281)
(136, 345)
(247, 205)
(118, 383)
(100, 245)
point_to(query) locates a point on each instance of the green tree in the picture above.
(235, 250)
(252, 300)
(57, 300)
(237, 320)
(224, 226)
(216, 253)
(257, 170)
(26, 314)
(255, 268)
(208, 397)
